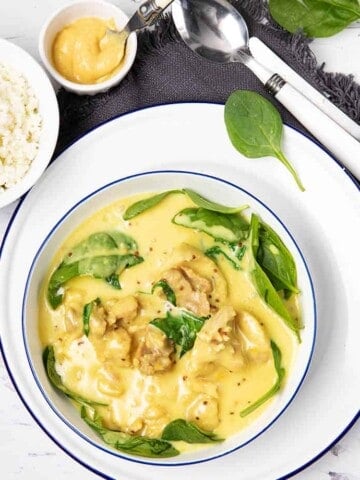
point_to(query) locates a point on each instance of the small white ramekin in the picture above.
(70, 13)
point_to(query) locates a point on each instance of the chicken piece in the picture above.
(135, 426)
(123, 310)
(204, 411)
(72, 319)
(186, 296)
(124, 421)
(214, 347)
(154, 352)
(74, 298)
(156, 418)
(98, 321)
(231, 358)
(109, 382)
(73, 306)
(178, 283)
(115, 346)
(255, 343)
(216, 330)
(187, 256)
(199, 283)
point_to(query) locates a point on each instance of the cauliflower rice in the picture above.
(20, 126)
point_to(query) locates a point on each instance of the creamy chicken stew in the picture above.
(170, 321)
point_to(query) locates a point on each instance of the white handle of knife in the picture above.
(268, 58)
(344, 146)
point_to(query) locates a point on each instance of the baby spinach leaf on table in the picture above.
(102, 267)
(223, 227)
(276, 260)
(168, 291)
(188, 432)
(316, 18)
(209, 205)
(181, 327)
(142, 205)
(49, 361)
(280, 371)
(255, 128)
(264, 286)
(100, 242)
(87, 311)
(137, 445)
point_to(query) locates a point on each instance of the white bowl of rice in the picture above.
(29, 122)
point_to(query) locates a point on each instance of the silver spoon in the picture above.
(145, 16)
(147, 13)
(214, 29)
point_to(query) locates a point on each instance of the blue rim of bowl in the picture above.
(347, 428)
(25, 296)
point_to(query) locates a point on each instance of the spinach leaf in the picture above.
(49, 361)
(209, 205)
(215, 251)
(316, 18)
(137, 445)
(271, 297)
(238, 250)
(142, 205)
(61, 275)
(275, 259)
(223, 227)
(113, 281)
(100, 242)
(262, 283)
(255, 128)
(86, 318)
(102, 267)
(280, 371)
(87, 311)
(181, 327)
(188, 432)
(168, 291)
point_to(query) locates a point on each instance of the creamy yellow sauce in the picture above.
(204, 386)
(83, 51)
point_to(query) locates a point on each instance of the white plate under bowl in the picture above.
(217, 190)
(15, 57)
(324, 221)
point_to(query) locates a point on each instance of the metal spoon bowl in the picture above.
(214, 29)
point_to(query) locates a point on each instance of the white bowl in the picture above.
(70, 13)
(23, 63)
(71, 424)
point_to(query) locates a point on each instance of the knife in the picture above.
(265, 56)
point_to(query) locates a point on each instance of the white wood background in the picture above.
(26, 453)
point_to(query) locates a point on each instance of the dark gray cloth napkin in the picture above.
(166, 71)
